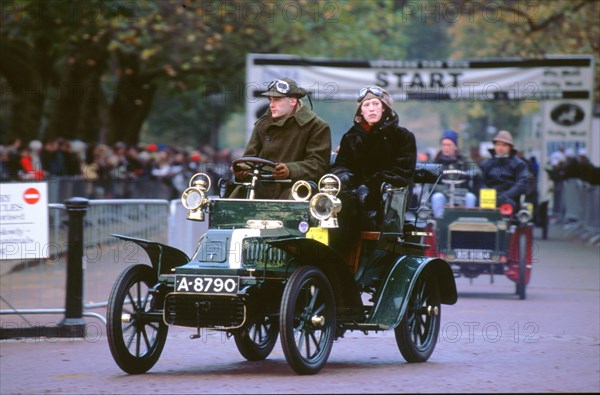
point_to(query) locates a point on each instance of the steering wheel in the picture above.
(454, 176)
(262, 168)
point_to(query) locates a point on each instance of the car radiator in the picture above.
(204, 311)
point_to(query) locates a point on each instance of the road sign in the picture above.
(31, 196)
(24, 221)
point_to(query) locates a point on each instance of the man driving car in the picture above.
(291, 135)
(505, 171)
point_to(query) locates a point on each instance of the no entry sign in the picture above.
(31, 196)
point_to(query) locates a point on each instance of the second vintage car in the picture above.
(484, 240)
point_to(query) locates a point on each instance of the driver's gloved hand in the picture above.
(281, 171)
(240, 175)
(362, 192)
(241, 172)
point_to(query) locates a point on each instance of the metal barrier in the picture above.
(62, 188)
(38, 287)
(184, 234)
(573, 199)
(582, 209)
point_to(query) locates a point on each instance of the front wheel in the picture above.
(307, 320)
(256, 340)
(417, 333)
(521, 283)
(136, 339)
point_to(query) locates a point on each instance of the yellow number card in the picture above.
(318, 234)
(487, 198)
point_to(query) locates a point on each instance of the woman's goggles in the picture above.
(280, 86)
(375, 90)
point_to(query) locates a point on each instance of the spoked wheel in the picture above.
(255, 341)
(521, 283)
(135, 340)
(417, 333)
(543, 218)
(307, 320)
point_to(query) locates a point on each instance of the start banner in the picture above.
(563, 83)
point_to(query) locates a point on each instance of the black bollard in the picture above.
(73, 324)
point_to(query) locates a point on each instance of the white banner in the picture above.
(550, 78)
(24, 221)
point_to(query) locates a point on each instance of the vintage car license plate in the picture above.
(207, 284)
(473, 255)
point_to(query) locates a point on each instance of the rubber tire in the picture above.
(307, 293)
(521, 285)
(256, 340)
(545, 230)
(134, 282)
(417, 334)
(543, 208)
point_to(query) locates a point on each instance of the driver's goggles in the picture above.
(280, 86)
(377, 91)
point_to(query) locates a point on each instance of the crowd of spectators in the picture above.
(109, 169)
(106, 168)
(566, 164)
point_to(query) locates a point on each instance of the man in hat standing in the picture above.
(291, 135)
(504, 171)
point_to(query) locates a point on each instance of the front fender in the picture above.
(163, 257)
(311, 252)
(393, 300)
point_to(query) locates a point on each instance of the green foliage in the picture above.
(531, 29)
(106, 70)
(355, 30)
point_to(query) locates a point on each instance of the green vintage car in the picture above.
(269, 269)
(483, 240)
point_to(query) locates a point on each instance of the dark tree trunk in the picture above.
(132, 101)
(23, 92)
(77, 108)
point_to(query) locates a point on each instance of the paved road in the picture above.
(490, 342)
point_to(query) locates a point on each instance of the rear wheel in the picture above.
(545, 230)
(135, 339)
(521, 283)
(307, 320)
(417, 333)
(256, 340)
(543, 219)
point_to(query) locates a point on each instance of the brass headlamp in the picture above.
(195, 198)
(524, 215)
(302, 190)
(325, 205)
